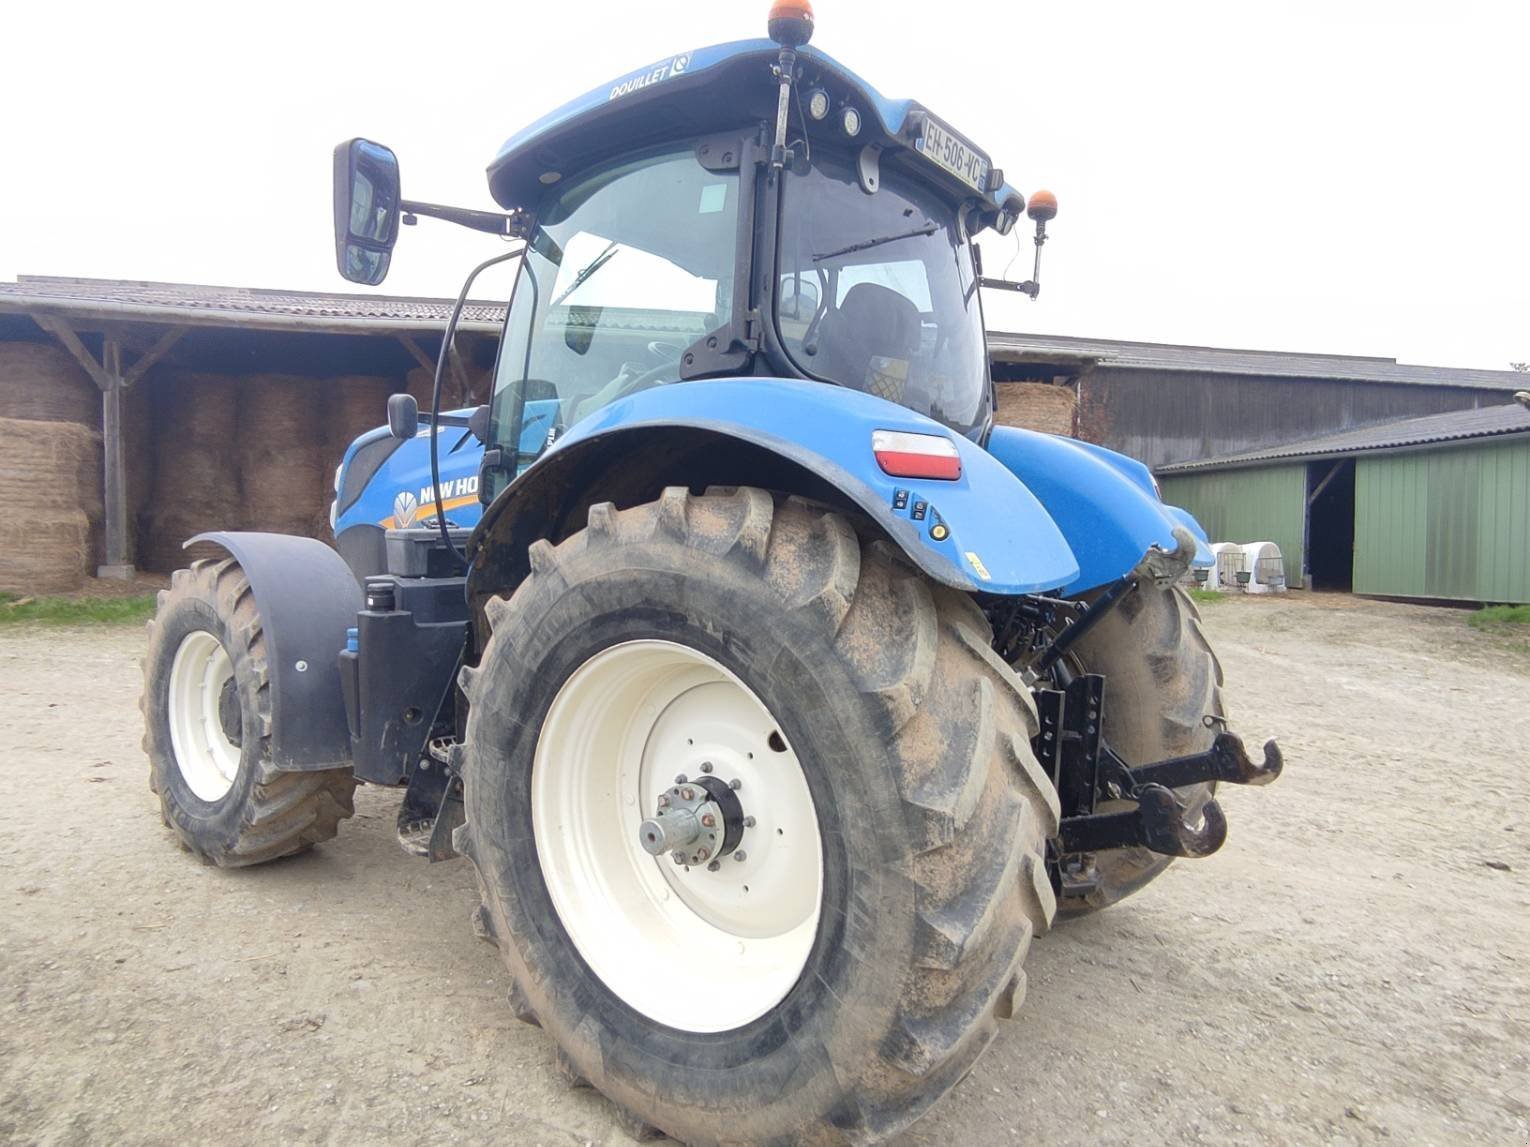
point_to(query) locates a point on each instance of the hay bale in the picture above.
(49, 466)
(1036, 406)
(284, 490)
(419, 381)
(278, 411)
(44, 552)
(163, 531)
(196, 408)
(355, 403)
(41, 382)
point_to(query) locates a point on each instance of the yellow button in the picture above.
(939, 532)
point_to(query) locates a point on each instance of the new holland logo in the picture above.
(404, 509)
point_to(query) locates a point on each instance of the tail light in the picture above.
(906, 455)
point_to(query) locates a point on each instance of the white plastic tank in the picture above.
(1266, 567)
(1230, 562)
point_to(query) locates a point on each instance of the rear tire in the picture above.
(207, 729)
(1162, 680)
(932, 815)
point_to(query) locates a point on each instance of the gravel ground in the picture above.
(1353, 967)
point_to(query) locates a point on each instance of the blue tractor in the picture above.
(777, 696)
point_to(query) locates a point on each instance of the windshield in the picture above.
(627, 267)
(878, 293)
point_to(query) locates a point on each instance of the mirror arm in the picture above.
(1029, 287)
(512, 225)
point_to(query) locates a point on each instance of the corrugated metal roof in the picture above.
(1458, 425)
(238, 306)
(1065, 349)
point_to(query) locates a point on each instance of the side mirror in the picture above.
(403, 416)
(366, 210)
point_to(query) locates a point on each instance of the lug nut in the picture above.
(680, 780)
(703, 852)
(749, 822)
(740, 855)
(677, 856)
(687, 794)
(706, 766)
(663, 802)
(713, 867)
(735, 784)
(708, 820)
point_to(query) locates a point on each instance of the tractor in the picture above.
(777, 696)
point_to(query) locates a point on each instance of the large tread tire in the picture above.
(934, 813)
(268, 813)
(1162, 680)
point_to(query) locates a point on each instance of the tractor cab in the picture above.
(747, 209)
(676, 230)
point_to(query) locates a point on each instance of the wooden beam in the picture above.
(419, 355)
(62, 331)
(1323, 485)
(153, 355)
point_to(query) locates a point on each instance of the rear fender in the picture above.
(802, 437)
(1105, 503)
(307, 599)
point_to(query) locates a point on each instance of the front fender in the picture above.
(1105, 503)
(307, 599)
(1000, 538)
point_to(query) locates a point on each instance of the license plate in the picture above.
(946, 150)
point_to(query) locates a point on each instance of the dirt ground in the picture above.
(1353, 967)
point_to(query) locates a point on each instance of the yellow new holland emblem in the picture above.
(978, 567)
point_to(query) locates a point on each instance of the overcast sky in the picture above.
(1339, 177)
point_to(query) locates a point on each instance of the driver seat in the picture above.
(869, 341)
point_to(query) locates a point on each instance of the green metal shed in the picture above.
(1435, 507)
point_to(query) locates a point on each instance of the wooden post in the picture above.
(112, 380)
(118, 562)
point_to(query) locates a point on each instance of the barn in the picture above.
(1436, 507)
(138, 414)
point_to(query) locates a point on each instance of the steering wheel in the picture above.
(665, 352)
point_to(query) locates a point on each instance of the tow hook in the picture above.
(697, 822)
(1088, 772)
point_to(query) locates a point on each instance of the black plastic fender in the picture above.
(308, 598)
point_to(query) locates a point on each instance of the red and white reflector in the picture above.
(906, 455)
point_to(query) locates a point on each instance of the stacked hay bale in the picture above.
(50, 469)
(50, 486)
(278, 451)
(195, 485)
(353, 404)
(453, 397)
(1036, 406)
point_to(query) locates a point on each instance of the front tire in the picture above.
(206, 704)
(874, 692)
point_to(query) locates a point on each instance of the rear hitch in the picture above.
(1071, 745)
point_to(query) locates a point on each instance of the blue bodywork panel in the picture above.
(1033, 512)
(701, 90)
(1105, 503)
(998, 539)
(399, 493)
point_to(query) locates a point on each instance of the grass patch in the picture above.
(1499, 617)
(1206, 596)
(76, 611)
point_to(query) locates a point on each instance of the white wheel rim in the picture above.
(698, 950)
(207, 759)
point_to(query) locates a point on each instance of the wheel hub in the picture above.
(228, 714)
(697, 822)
